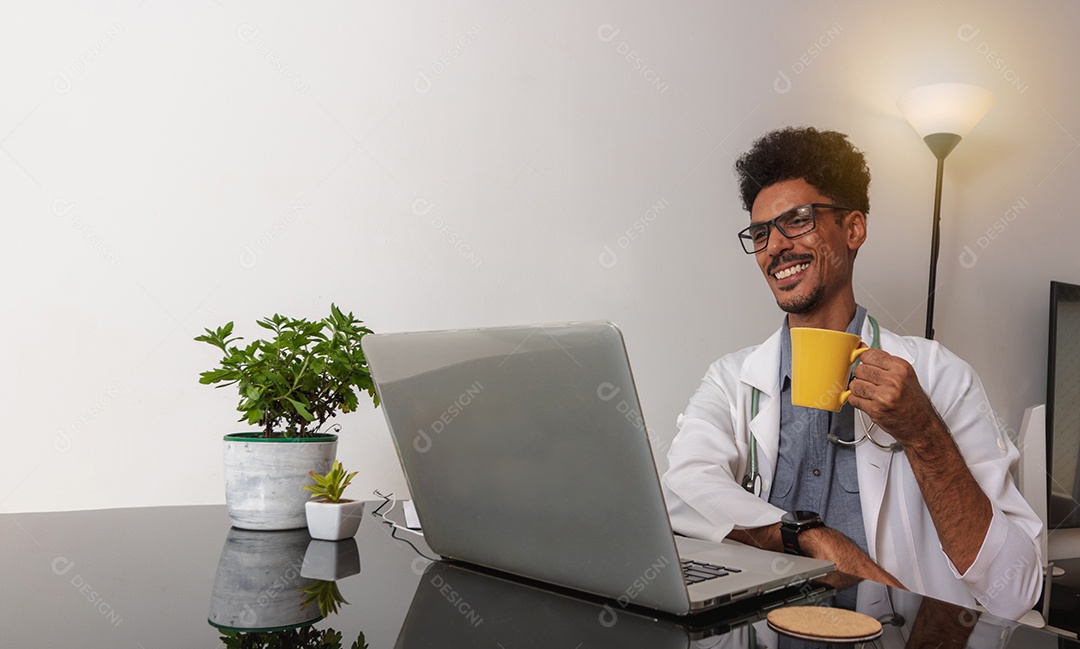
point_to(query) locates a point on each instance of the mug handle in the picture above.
(855, 354)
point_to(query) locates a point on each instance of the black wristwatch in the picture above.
(794, 524)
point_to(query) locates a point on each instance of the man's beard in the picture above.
(802, 305)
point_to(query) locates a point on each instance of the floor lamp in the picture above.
(942, 114)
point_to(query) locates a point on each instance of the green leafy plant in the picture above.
(326, 594)
(291, 383)
(331, 485)
(306, 637)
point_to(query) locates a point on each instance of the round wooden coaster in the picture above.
(824, 623)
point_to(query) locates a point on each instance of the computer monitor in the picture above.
(1063, 408)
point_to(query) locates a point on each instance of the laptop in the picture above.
(525, 452)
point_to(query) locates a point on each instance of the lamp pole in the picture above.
(941, 145)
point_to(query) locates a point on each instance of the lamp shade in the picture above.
(953, 108)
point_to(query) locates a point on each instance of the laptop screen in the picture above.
(525, 451)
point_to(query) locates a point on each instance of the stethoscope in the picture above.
(752, 480)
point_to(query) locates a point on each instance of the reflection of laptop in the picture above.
(525, 451)
(455, 606)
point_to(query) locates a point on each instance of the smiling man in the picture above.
(909, 483)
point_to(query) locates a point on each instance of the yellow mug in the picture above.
(821, 361)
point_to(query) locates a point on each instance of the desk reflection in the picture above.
(455, 606)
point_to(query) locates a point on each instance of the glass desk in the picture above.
(159, 577)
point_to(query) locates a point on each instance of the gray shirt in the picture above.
(812, 473)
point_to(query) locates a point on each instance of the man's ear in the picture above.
(856, 230)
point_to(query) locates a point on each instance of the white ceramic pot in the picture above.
(334, 521)
(331, 560)
(258, 581)
(265, 478)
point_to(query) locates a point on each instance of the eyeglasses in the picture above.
(792, 224)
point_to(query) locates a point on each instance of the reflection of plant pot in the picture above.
(258, 582)
(334, 521)
(331, 560)
(265, 478)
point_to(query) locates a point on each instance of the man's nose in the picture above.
(777, 242)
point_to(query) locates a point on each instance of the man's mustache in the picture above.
(788, 259)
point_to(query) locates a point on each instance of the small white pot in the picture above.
(333, 521)
(331, 560)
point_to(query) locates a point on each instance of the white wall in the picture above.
(171, 166)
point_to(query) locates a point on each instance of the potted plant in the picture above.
(329, 516)
(290, 384)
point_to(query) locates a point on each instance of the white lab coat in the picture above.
(708, 460)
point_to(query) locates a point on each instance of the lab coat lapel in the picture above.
(874, 463)
(762, 371)
(873, 466)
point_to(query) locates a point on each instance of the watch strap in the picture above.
(791, 527)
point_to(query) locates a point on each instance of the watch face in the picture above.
(800, 517)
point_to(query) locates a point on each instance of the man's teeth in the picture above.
(788, 272)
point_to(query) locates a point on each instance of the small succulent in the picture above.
(330, 486)
(326, 594)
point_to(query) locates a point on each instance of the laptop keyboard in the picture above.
(695, 572)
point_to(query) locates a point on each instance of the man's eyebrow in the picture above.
(753, 222)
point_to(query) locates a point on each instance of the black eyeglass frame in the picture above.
(748, 242)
